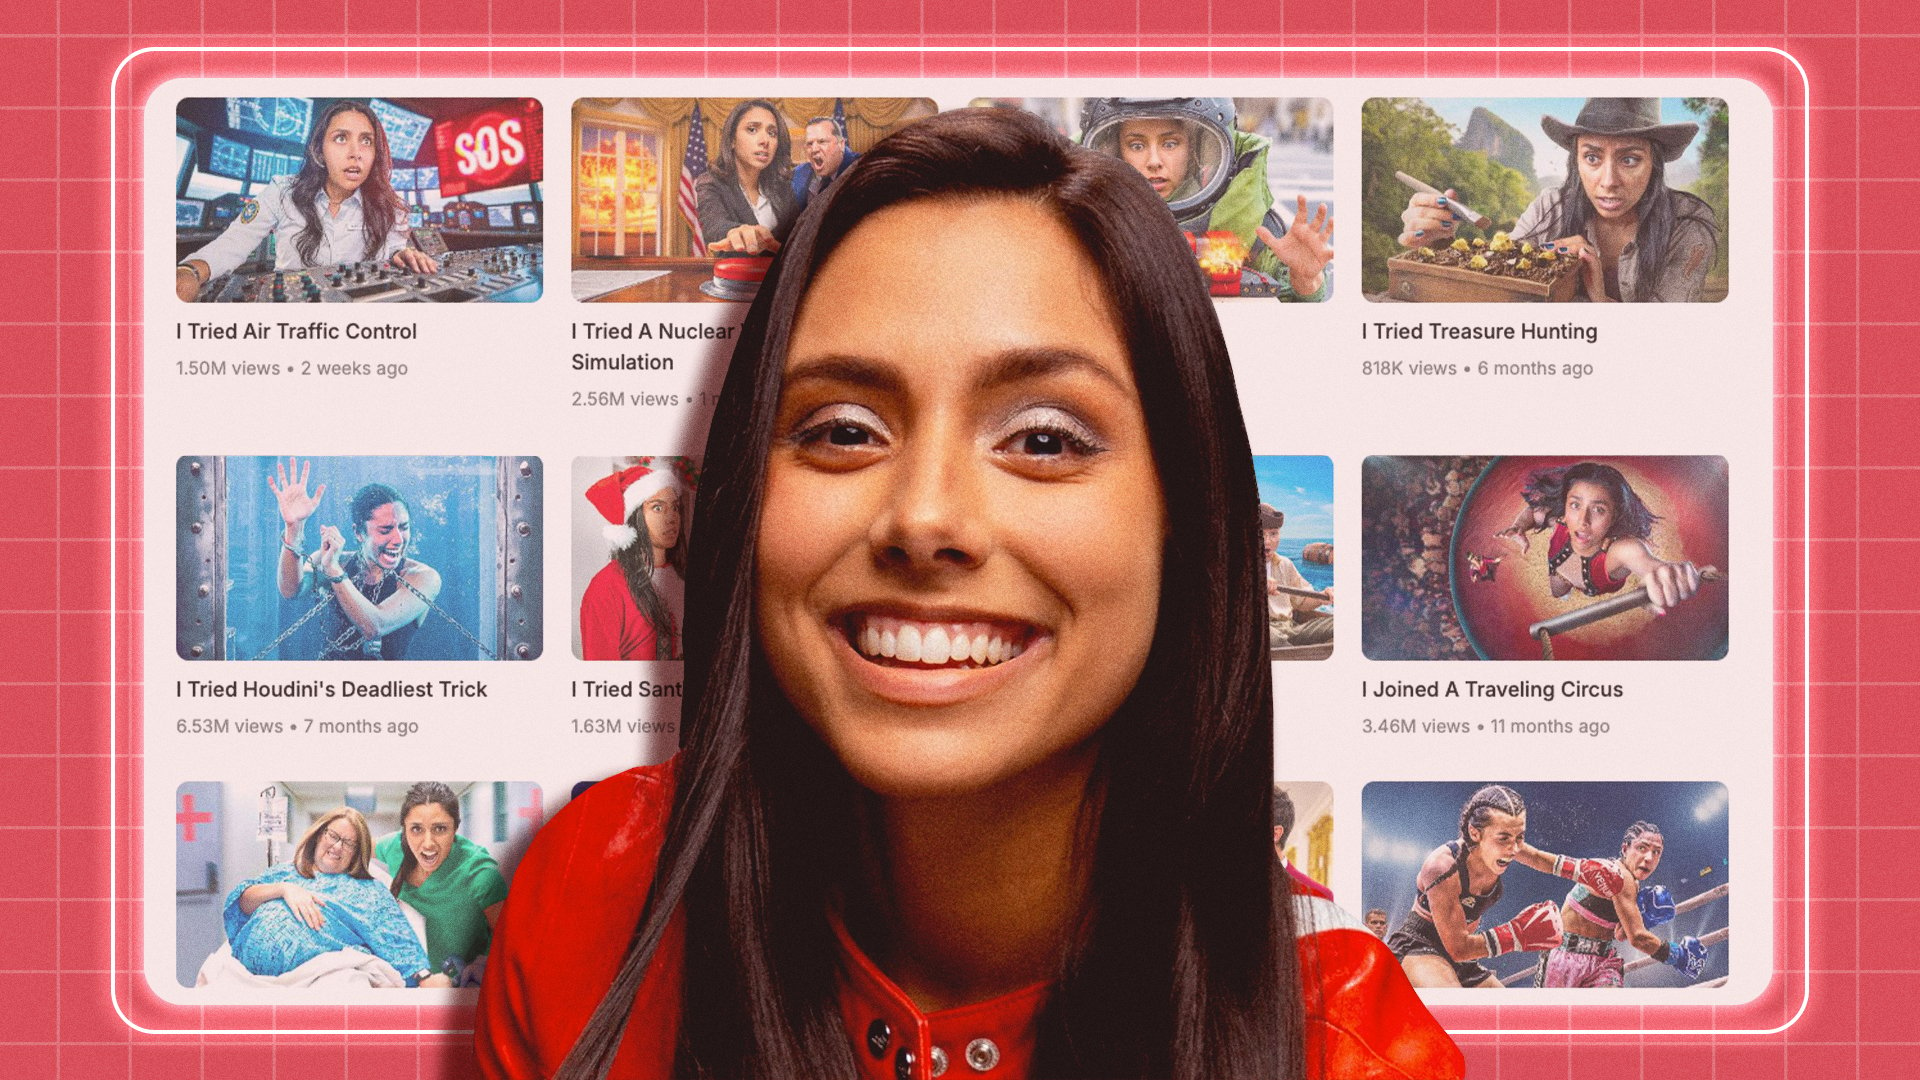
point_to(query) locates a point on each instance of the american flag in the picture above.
(692, 167)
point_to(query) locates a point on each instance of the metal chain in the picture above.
(340, 643)
(428, 600)
(295, 625)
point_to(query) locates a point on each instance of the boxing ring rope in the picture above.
(1709, 940)
(1691, 903)
(1634, 600)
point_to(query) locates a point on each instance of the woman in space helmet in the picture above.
(1213, 177)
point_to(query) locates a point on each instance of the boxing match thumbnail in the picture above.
(1567, 885)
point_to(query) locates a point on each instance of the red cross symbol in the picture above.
(531, 811)
(189, 817)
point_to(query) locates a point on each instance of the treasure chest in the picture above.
(1414, 280)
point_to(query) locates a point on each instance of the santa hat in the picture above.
(619, 495)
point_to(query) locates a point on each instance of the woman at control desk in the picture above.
(746, 198)
(977, 776)
(339, 208)
(1636, 238)
(381, 596)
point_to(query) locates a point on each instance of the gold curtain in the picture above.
(1320, 850)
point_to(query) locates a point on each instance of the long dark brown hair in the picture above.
(1660, 208)
(636, 565)
(376, 191)
(1184, 965)
(421, 794)
(1546, 491)
(779, 169)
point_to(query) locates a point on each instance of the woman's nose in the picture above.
(935, 517)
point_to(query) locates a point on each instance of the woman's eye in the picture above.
(1050, 434)
(841, 429)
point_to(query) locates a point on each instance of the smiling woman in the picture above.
(980, 478)
(978, 759)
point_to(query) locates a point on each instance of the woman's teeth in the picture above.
(936, 644)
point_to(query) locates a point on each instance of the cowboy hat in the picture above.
(1629, 117)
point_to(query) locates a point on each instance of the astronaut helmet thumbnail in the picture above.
(1182, 145)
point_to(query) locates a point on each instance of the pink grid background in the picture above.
(1863, 60)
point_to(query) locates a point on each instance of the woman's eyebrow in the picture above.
(1011, 366)
(846, 368)
(1018, 365)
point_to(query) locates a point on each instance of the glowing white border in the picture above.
(114, 181)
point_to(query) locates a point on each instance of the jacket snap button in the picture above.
(982, 1055)
(903, 1063)
(939, 1060)
(878, 1036)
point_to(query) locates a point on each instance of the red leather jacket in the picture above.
(579, 890)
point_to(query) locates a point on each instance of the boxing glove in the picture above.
(1602, 877)
(1656, 905)
(1686, 955)
(1534, 930)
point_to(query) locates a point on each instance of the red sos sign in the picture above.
(494, 148)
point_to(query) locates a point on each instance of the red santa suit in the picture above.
(612, 626)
